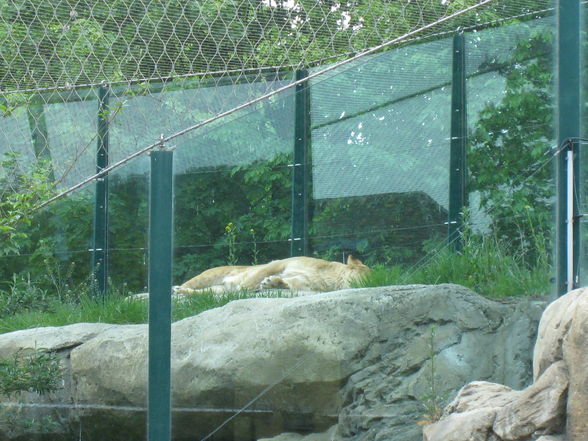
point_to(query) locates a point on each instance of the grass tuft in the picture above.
(484, 265)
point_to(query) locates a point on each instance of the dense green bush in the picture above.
(30, 370)
(33, 370)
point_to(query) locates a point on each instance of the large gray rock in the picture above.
(486, 411)
(576, 358)
(554, 407)
(365, 359)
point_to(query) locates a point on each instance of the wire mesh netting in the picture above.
(67, 44)
(221, 83)
(57, 48)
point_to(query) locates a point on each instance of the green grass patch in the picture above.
(117, 309)
(484, 265)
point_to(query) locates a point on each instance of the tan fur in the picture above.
(295, 273)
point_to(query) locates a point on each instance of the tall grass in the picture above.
(484, 264)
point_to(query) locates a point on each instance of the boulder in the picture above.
(554, 326)
(553, 408)
(538, 409)
(576, 358)
(473, 425)
(364, 359)
(485, 411)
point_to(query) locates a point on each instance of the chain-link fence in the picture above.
(72, 43)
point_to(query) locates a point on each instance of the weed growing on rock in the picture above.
(231, 234)
(433, 402)
(36, 371)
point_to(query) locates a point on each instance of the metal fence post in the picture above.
(457, 159)
(100, 239)
(568, 120)
(301, 172)
(160, 280)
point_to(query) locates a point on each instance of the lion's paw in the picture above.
(273, 282)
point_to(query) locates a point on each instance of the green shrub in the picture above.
(30, 371)
(22, 295)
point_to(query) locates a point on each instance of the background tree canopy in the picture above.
(512, 145)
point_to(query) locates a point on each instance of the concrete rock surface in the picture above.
(575, 355)
(553, 408)
(363, 359)
(484, 411)
(329, 435)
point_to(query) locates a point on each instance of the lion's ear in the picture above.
(353, 261)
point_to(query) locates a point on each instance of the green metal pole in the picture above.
(568, 105)
(160, 280)
(457, 155)
(100, 240)
(301, 172)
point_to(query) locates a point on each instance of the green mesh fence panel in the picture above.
(380, 144)
(512, 134)
(233, 189)
(374, 121)
(61, 52)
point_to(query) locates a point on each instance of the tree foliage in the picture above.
(511, 145)
(20, 193)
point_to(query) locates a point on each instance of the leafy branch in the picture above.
(20, 193)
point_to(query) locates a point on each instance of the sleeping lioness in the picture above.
(295, 273)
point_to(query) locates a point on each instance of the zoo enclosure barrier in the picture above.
(300, 135)
(302, 168)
